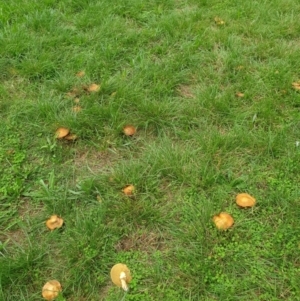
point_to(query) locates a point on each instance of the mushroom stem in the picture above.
(123, 281)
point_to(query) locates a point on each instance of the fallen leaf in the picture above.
(219, 21)
(80, 74)
(61, 132)
(76, 100)
(239, 94)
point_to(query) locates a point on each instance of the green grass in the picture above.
(171, 71)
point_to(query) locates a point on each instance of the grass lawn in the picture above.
(209, 87)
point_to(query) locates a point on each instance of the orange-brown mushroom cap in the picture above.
(61, 132)
(120, 273)
(245, 200)
(54, 222)
(128, 190)
(51, 290)
(129, 130)
(223, 221)
(71, 137)
(93, 88)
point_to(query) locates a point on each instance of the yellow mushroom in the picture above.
(128, 190)
(61, 132)
(223, 221)
(54, 222)
(93, 88)
(51, 290)
(120, 275)
(129, 130)
(245, 200)
(71, 137)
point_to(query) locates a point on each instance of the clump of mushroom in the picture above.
(64, 133)
(51, 290)
(120, 275)
(223, 221)
(245, 200)
(54, 222)
(129, 130)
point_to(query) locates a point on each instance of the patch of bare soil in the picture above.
(93, 162)
(17, 235)
(186, 9)
(141, 241)
(186, 91)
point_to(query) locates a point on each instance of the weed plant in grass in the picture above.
(172, 70)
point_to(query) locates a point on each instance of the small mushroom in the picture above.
(93, 88)
(71, 137)
(223, 221)
(129, 190)
(129, 130)
(245, 200)
(51, 290)
(54, 222)
(120, 275)
(61, 132)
